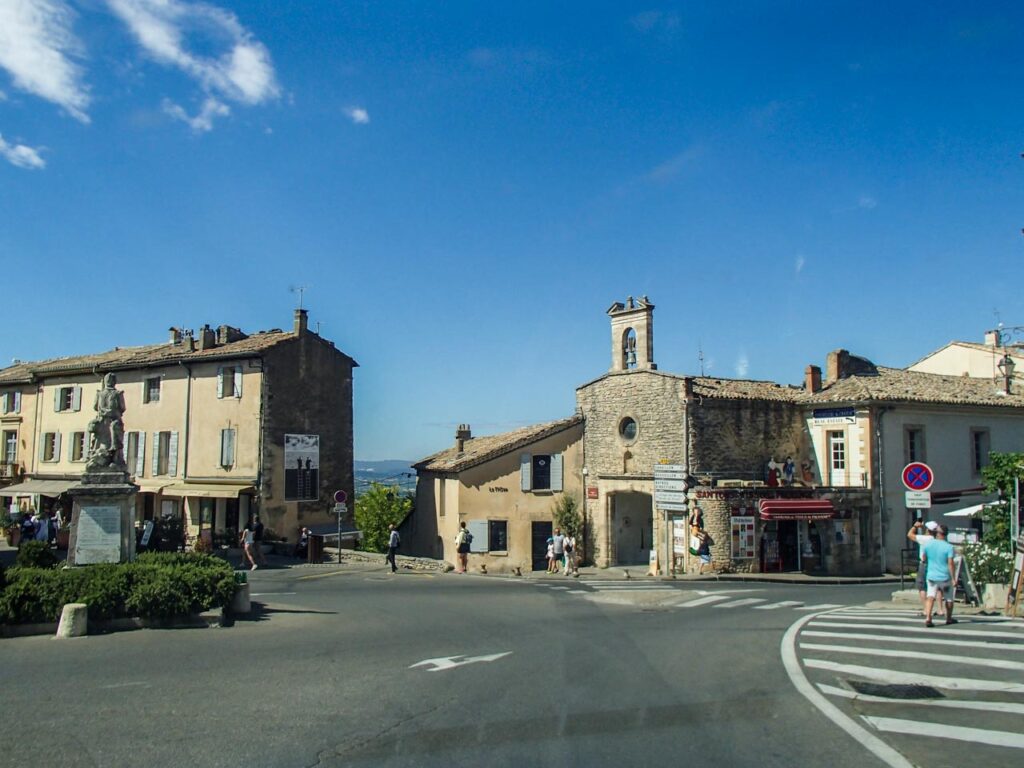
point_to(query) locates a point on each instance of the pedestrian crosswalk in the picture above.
(915, 687)
(688, 597)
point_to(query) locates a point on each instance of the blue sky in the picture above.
(465, 189)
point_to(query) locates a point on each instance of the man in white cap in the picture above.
(918, 535)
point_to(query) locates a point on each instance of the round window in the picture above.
(627, 429)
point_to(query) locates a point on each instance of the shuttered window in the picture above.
(227, 448)
(229, 381)
(67, 399)
(497, 535)
(77, 446)
(540, 472)
(49, 449)
(151, 390)
(165, 453)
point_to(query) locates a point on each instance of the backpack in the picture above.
(468, 538)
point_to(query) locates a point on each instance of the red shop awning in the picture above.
(797, 509)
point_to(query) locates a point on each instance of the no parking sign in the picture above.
(918, 476)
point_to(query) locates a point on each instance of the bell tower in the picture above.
(632, 335)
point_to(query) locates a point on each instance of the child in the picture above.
(552, 565)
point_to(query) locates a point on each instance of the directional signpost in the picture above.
(340, 508)
(670, 496)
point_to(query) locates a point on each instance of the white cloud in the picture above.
(203, 120)
(21, 155)
(798, 266)
(358, 115)
(674, 165)
(867, 202)
(655, 21)
(36, 49)
(164, 28)
(742, 365)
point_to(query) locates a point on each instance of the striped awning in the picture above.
(797, 509)
(207, 491)
(42, 487)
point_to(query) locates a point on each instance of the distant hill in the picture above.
(386, 472)
(384, 467)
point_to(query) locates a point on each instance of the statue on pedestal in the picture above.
(106, 430)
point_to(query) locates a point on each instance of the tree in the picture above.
(991, 559)
(377, 508)
(566, 513)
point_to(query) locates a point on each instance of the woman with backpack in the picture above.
(462, 541)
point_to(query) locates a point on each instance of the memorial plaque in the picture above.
(99, 535)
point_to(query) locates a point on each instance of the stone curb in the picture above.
(214, 618)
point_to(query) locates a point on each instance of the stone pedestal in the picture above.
(102, 518)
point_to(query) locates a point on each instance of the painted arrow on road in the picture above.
(450, 662)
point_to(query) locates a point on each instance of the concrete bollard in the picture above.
(74, 621)
(242, 603)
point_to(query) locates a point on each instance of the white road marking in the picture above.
(773, 606)
(266, 594)
(915, 640)
(821, 607)
(981, 706)
(705, 601)
(740, 603)
(868, 740)
(450, 662)
(922, 629)
(909, 620)
(958, 733)
(916, 655)
(126, 685)
(721, 591)
(914, 678)
(554, 588)
(577, 592)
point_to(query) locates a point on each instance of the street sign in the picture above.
(670, 471)
(340, 496)
(669, 484)
(919, 500)
(671, 496)
(671, 506)
(918, 476)
(340, 508)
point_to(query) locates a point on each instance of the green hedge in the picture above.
(156, 585)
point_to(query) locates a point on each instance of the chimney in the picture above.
(301, 321)
(462, 434)
(175, 336)
(207, 338)
(836, 365)
(227, 335)
(992, 338)
(812, 379)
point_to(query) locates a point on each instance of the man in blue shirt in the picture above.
(937, 556)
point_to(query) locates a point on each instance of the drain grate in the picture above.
(895, 691)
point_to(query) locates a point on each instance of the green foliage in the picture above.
(36, 554)
(989, 565)
(377, 508)
(156, 585)
(999, 477)
(567, 515)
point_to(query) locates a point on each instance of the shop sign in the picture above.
(824, 416)
(591, 491)
(743, 538)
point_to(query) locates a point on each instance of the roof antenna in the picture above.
(700, 356)
(299, 289)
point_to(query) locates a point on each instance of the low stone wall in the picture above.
(411, 563)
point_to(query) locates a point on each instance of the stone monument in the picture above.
(103, 513)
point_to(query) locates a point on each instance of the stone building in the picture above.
(211, 419)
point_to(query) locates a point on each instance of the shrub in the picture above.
(36, 554)
(156, 585)
(989, 564)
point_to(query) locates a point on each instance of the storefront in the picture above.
(791, 539)
(216, 512)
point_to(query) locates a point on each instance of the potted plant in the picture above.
(12, 533)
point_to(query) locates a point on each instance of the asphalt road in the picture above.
(330, 673)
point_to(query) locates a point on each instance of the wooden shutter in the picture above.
(5, 399)
(227, 447)
(17, 402)
(76, 399)
(145, 390)
(238, 380)
(525, 471)
(556, 471)
(140, 457)
(42, 447)
(172, 455)
(220, 383)
(56, 446)
(478, 529)
(56, 400)
(156, 454)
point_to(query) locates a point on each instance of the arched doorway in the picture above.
(632, 525)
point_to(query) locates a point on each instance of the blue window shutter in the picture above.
(42, 448)
(17, 402)
(156, 454)
(76, 399)
(478, 529)
(140, 459)
(172, 455)
(556, 471)
(220, 383)
(227, 447)
(56, 446)
(238, 381)
(525, 471)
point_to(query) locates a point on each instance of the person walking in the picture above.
(938, 555)
(704, 551)
(558, 548)
(552, 565)
(257, 536)
(393, 543)
(247, 539)
(570, 555)
(462, 541)
(922, 533)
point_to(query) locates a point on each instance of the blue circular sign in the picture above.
(918, 476)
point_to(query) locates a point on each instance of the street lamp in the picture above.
(1006, 366)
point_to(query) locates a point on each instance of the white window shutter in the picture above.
(238, 381)
(56, 400)
(172, 455)
(556, 471)
(42, 448)
(227, 447)
(5, 400)
(17, 402)
(155, 463)
(525, 471)
(140, 459)
(478, 530)
(220, 383)
(76, 399)
(56, 446)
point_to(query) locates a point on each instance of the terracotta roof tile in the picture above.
(900, 385)
(477, 450)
